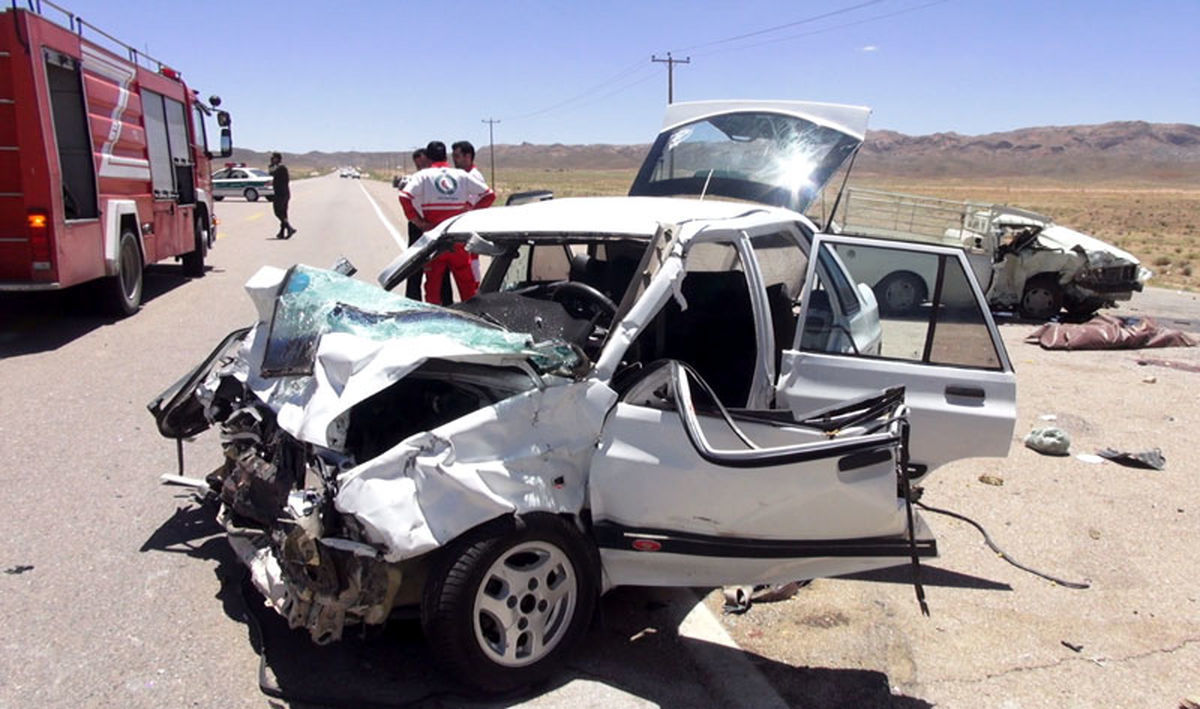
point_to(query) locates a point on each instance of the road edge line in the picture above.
(732, 674)
(402, 242)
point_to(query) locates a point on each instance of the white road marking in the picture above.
(730, 674)
(402, 241)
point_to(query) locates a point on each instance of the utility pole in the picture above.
(670, 72)
(492, 147)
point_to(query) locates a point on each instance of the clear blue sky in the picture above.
(389, 75)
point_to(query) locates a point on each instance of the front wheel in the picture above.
(123, 292)
(1042, 299)
(251, 194)
(193, 261)
(506, 604)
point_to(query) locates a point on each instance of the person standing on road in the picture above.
(412, 288)
(463, 154)
(434, 195)
(280, 182)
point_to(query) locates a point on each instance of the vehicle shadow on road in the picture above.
(930, 576)
(31, 323)
(634, 647)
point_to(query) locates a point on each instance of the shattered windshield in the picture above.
(313, 302)
(769, 158)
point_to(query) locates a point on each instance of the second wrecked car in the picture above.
(648, 390)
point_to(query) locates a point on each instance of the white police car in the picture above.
(241, 181)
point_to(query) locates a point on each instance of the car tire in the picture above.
(193, 261)
(1043, 297)
(900, 293)
(251, 194)
(218, 197)
(123, 291)
(508, 601)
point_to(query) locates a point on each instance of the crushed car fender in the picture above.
(435, 485)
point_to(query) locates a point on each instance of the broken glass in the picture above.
(313, 302)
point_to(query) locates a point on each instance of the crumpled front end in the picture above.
(361, 431)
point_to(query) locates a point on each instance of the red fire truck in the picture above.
(104, 159)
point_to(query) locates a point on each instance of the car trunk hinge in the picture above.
(907, 490)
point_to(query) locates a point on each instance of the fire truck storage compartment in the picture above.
(71, 136)
(166, 141)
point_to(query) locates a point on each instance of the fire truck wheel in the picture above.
(124, 290)
(251, 194)
(193, 262)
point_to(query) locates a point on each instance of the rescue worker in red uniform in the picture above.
(432, 196)
(463, 155)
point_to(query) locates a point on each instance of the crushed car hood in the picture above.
(1060, 237)
(325, 342)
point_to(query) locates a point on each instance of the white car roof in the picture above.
(639, 216)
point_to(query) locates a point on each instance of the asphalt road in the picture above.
(119, 592)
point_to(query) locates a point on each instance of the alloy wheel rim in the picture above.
(524, 604)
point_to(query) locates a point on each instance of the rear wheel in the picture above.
(123, 292)
(251, 194)
(193, 261)
(900, 293)
(506, 604)
(1042, 298)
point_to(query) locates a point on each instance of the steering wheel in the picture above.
(579, 299)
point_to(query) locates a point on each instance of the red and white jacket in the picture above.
(440, 191)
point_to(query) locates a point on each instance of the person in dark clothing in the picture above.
(283, 193)
(412, 287)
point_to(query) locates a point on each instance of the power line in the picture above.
(863, 21)
(785, 25)
(630, 69)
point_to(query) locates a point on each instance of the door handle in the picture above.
(965, 392)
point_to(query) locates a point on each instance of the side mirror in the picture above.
(214, 100)
(223, 118)
(226, 143)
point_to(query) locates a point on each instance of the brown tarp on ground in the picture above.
(1107, 332)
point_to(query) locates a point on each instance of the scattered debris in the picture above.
(1093, 533)
(1152, 459)
(1109, 332)
(1072, 646)
(18, 569)
(1089, 458)
(738, 599)
(1181, 366)
(642, 633)
(991, 480)
(1149, 380)
(1049, 417)
(1189, 703)
(1048, 440)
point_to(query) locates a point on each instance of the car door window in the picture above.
(944, 326)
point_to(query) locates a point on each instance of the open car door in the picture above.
(685, 492)
(946, 352)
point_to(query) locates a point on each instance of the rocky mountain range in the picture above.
(1110, 151)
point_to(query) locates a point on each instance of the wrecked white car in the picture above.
(1024, 261)
(648, 390)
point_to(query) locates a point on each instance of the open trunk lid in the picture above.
(779, 153)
